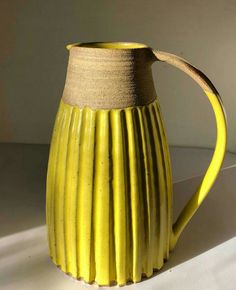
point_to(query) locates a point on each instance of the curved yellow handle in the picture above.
(218, 156)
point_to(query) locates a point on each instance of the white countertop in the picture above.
(204, 258)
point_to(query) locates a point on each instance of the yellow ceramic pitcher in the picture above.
(109, 185)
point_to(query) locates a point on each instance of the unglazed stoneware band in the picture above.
(109, 78)
(218, 156)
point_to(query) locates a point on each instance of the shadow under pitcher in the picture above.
(109, 184)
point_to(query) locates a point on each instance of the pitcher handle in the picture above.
(219, 152)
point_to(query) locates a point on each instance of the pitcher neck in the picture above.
(109, 78)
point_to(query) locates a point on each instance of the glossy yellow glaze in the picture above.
(110, 45)
(211, 172)
(109, 193)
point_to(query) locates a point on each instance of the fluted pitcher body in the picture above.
(109, 184)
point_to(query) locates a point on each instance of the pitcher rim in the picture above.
(108, 45)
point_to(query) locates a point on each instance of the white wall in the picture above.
(33, 59)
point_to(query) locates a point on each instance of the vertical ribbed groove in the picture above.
(161, 191)
(102, 199)
(143, 190)
(60, 184)
(67, 155)
(128, 212)
(168, 165)
(155, 188)
(55, 202)
(71, 192)
(85, 193)
(167, 173)
(165, 194)
(109, 193)
(119, 195)
(52, 163)
(135, 196)
(92, 266)
(112, 253)
(149, 191)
